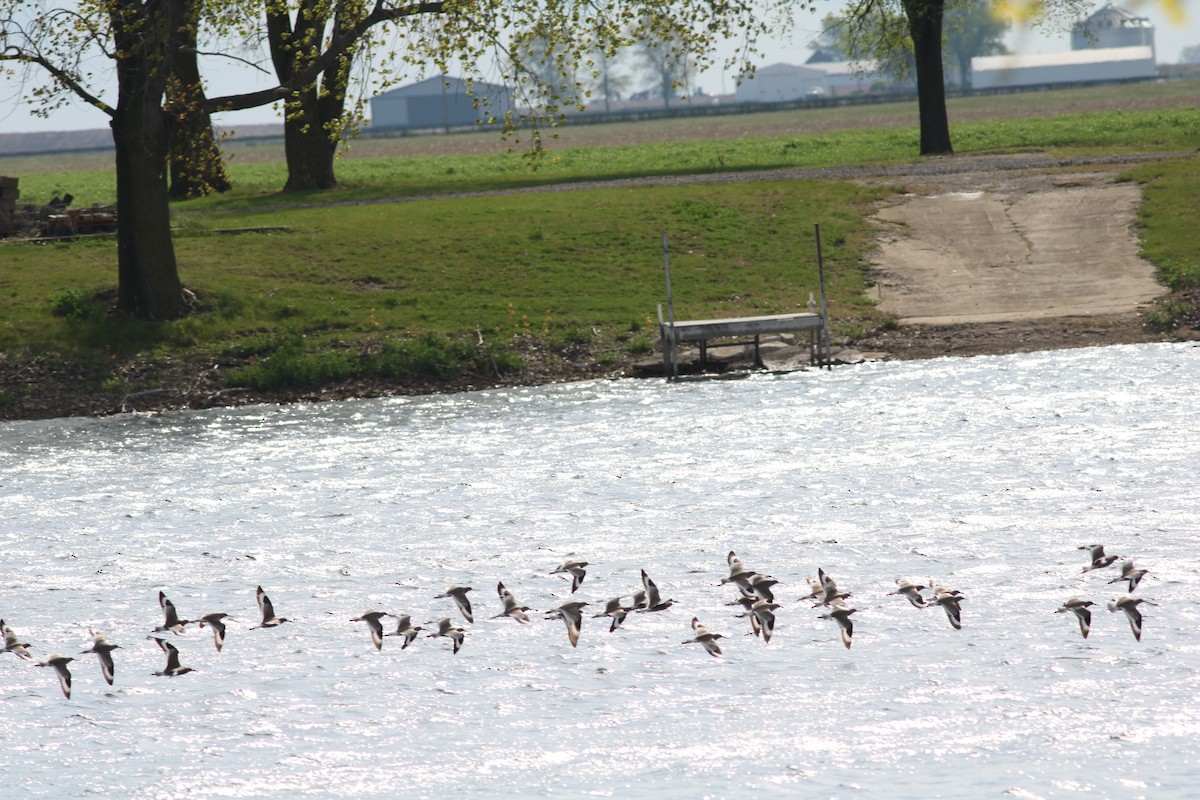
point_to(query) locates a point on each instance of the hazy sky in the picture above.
(1170, 40)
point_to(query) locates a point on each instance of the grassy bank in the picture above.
(317, 289)
(573, 268)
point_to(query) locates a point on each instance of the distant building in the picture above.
(1112, 27)
(779, 83)
(439, 102)
(853, 77)
(1073, 66)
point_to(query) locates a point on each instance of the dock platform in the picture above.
(673, 334)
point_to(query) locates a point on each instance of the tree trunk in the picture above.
(925, 27)
(308, 148)
(308, 115)
(197, 168)
(148, 285)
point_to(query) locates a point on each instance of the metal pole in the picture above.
(670, 305)
(824, 309)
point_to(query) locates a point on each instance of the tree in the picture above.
(146, 40)
(314, 114)
(666, 61)
(972, 30)
(925, 28)
(197, 167)
(1190, 54)
(541, 65)
(607, 79)
(879, 38)
(907, 34)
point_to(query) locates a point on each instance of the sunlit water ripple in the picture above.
(986, 473)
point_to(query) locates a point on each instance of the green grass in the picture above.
(1168, 232)
(257, 183)
(534, 264)
(387, 290)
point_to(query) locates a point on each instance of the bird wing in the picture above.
(574, 619)
(464, 605)
(652, 597)
(170, 617)
(1135, 620)
(1085, 619)
(264, 604)
(64, 676)
(172, 654)
(107, 668)
(846, 625)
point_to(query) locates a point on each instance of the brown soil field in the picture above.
(806, 122)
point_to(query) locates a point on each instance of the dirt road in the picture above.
(1007, 246)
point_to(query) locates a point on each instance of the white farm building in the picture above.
(439, 102)
(1112, 27)
(778, 83)
(1073, 66)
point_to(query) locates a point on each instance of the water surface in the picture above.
(985, 473)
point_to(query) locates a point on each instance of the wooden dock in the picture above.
(673, 334)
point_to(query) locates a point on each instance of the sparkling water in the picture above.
(986, 474)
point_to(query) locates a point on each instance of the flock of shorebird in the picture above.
(755, 596)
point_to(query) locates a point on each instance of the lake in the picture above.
(986, 474)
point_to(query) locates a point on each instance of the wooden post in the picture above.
(670, 308)
(825, 355)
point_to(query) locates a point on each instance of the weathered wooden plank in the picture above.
(702, 329)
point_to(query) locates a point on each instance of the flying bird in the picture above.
(1131, 575)
(103, 650)
(1080, 608)
(570, 612)
(760, 587)
(269, 618)
(705, 637)
(829, 589)
(763, 612)
(172, 669)
(14, 645)
(451, 631)
(216, 621)
(573, 568)
(459, 594)
(171, 620)
(60, 667)
(737, 572)
(405, 628)
(840, 613)
(815, 588)
(1099, 559)
(949, 601)
(374, 620)
(912, 591)
(1129, 605)
(616, 611)
(651, 599)
(511, 607)
(748, 602)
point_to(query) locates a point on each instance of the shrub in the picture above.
(74, 304)
(1180, 275)
(295, 367)
(640, 346)
(1167, 314)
